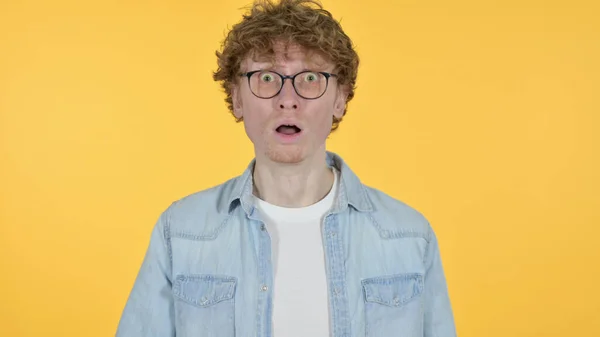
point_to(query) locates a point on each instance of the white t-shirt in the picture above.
(300, 301)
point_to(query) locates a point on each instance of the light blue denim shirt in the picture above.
(208, 271)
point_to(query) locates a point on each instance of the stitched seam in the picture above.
(212, 236)
(387, 234)
(228, 295)
(429, 239)
(167, 238)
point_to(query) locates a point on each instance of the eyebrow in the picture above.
(274, 67)
(267, 64)
(280, 72)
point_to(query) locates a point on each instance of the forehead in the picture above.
(281, 56)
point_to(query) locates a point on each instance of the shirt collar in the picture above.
(351, 191)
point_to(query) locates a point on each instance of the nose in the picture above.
(287, 98)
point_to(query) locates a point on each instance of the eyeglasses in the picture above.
(307, 84)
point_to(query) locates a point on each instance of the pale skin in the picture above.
(290, 174)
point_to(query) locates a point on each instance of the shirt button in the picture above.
(332, 234)
(264, 288)
(262, 227)
(396, 301)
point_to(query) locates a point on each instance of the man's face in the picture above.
(312, 118)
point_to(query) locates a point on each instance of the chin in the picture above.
(285, 154)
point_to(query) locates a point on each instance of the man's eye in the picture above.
(311, 77)
(266, 77)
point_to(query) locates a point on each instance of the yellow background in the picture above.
(482, 115)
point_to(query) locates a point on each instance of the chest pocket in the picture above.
(205, 305)
(393, 305)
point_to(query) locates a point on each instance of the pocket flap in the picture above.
(204, 290)
(393, 290)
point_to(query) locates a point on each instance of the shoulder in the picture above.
(202, 214)
(396, 219)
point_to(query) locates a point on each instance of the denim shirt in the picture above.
(208, 268)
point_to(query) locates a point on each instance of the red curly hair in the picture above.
(301, 22)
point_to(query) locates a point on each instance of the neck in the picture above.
(292, 185)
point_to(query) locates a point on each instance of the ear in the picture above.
(340, 102)
(236, 99)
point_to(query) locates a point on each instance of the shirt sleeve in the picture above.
(149, 310)
(439, 319)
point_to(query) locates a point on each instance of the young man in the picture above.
(296, 245)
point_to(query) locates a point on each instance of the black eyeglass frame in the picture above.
(291, 77)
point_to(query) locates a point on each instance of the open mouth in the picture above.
(288, 129)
